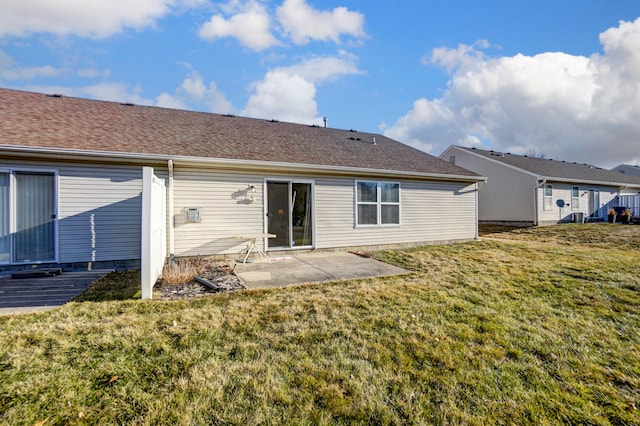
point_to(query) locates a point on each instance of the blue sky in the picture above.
(558, 78)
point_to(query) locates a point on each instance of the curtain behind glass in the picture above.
(35, 207)
(5, 235)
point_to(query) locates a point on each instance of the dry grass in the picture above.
(524, 329)
(182, 271)
(185, 269)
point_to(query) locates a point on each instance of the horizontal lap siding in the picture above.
(509, 193)
(562, 191)
(224, 211)
(430, 212)
(100, 210)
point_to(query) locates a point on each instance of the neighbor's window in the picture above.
(575, 198)
(548, 197)
(377, 203)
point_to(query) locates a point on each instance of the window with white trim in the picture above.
(377, 203)
(575, 198)
(548, 197)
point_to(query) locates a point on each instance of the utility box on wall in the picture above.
(192, 215)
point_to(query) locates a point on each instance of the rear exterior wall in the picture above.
(563, 191)
(98, 209)
(430, 212)
(507, 197)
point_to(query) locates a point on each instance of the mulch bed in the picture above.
(221, 278)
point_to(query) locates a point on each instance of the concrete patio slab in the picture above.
(312, 268)
(37, 294)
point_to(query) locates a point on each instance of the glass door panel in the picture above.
(289, 212)
(594, 203)
(301, 214)
(5, 234)
(278, 213)
(35, 217)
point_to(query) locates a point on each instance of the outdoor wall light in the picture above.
(251, 191)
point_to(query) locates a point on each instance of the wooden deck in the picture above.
(31, 294)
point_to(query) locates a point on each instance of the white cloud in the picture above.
(322, 69)
(96, 19)
(288, 93)
(193, 93)
(303, 23)
(29, 73)
(10, 72)
(576, 108)
(114, 92)
(285, 97)
(251, 25)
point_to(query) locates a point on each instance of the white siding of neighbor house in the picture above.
(430, 212)
(509, 193)
(562, 191)
(99, 210)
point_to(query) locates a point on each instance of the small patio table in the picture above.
(252, 247)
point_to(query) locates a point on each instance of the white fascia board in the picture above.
(52, 153)
(593, 182)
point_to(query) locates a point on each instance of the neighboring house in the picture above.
(627, 169)
(536, 191)
(630, 201)
(71, 184)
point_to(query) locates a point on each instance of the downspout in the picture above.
(171, 215)
(536, 219)
(476, 221)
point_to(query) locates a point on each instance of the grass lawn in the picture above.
(537, 326)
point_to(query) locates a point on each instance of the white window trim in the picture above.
(265, 206)
(547, 200)
(12, 210)
(378, 203)
(575, 201)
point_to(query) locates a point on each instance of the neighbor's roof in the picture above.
(559, 170)
(62, 124)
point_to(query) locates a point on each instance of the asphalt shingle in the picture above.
(52, 122)
(555, 169)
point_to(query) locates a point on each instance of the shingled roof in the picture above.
(57, 124)
(559, 170)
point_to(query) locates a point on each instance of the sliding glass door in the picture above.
(594, 204)
(27, 217)
(5, 232)
(290, 214)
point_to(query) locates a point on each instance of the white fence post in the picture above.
(154, 237)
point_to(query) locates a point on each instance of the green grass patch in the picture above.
(520, 328)
(118, 285)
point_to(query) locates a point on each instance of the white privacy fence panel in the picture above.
(154, 230)
(632, 202)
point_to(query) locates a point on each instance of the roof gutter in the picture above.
(258, 165)
(620, 185)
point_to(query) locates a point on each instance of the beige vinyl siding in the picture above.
(224, 211)
(100, 212)
(429, 212)
(99, 209)
(509, 193)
